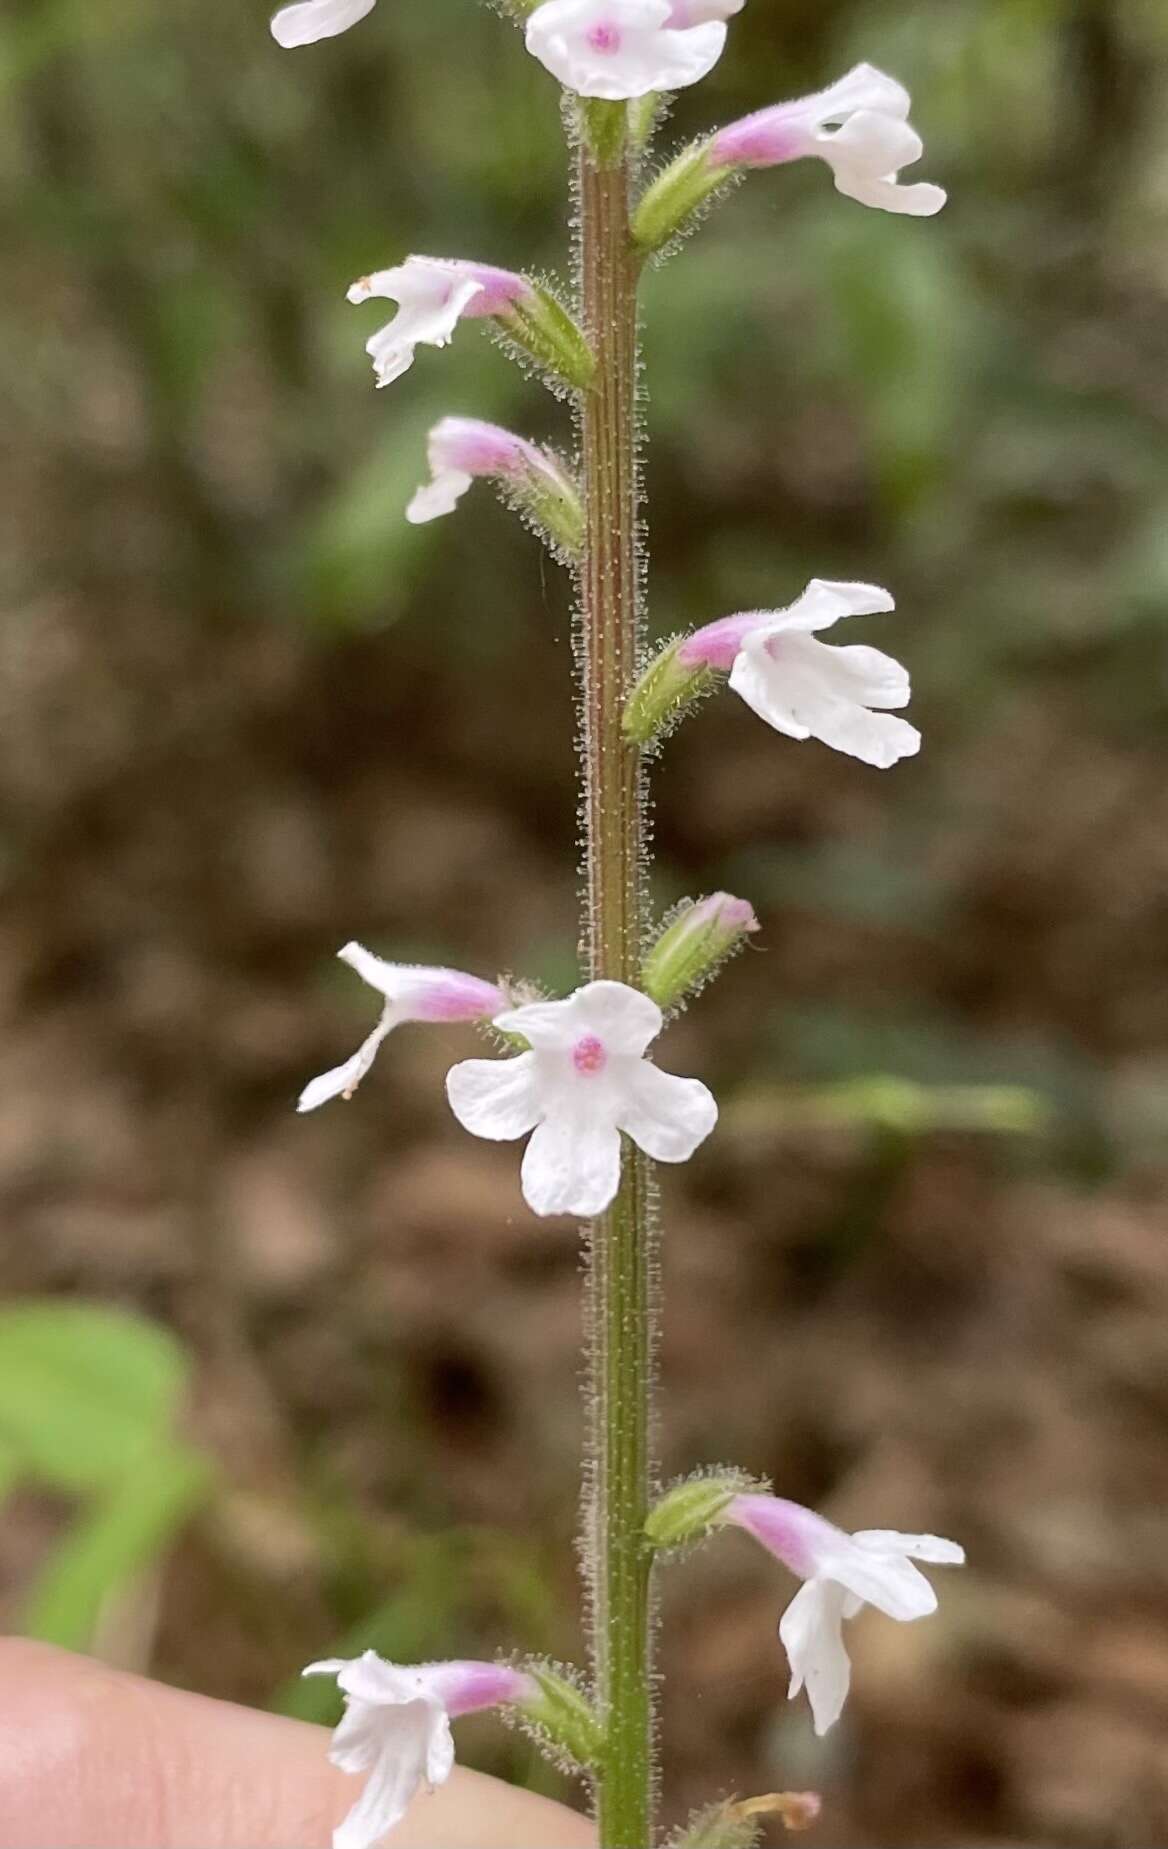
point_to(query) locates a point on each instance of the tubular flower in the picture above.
(584, 1079)
(433, 295)
(617, 49)
(310, 20)
(859, 126)
(463, 448)
(396, 1729)
(841, 1573)
(412, 993)
(805, 688)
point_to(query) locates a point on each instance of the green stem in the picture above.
(622, 1244)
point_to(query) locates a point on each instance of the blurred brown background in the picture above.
(920, 1275)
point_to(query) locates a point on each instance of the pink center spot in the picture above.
(589, 1056)
(604, 38)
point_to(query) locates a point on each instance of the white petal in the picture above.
(666, 1116)
(374, 970)
(867, 676)
(572, 1165)
(921, 200)
(808, 689)
(863, 87)
(928, 1547)
(495, 1098)
(438, 497)
(311, 20)
(825, 601)
(342, 1081)
(812, 1635)
(399, 1770)
(874, 738)
(621, 1017)
(890, 1582)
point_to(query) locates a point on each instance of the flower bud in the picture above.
(695, 1506)
(562, 1715)
(694, 946)
(666, 690)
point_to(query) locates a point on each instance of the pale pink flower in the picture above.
(433, 295)
(396, 1730)
(412, 993)
(310, 20)
(808, 689)
(584, 1080)
(462, 449)
(624, 48)
(859, 126)
(841, 1573)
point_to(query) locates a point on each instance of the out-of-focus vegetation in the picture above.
(246, 713)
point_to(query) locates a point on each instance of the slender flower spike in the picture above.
(433, 295)
(617, 49)
(841, 1573)
(463, 448)
(310, 20)
(412, 993)
(859, 126)
(396, 1729)
(806, 688)
(584, 1079)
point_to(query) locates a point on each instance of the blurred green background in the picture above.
(920, 1275)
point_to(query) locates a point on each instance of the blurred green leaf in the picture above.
(87, 1394)
(119, 1535)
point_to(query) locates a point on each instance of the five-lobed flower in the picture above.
(413, 992)
(396, 1730)
(433, 295)
(801, 687)
(858, 125)
(841, 1573)
(583, 1080)
(619, 49)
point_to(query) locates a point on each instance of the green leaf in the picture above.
(117, 1537)
(86, 1393)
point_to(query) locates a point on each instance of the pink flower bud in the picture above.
(463, 448)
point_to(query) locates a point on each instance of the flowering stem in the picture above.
(622, 1244)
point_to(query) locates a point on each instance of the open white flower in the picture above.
(624, 48)
(858, 125)
(584, 1080)
(412, 992)
(310, 20)
(843, 1572)
(808, 689)
(396, 1729)
(433, 295)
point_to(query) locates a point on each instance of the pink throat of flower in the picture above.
(589, 1056)
(604, 37)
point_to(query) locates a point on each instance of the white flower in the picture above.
(584, 1081)
(310, 20)
(412, 993)
(396, 1728)
(433, 295)
(805, 688)
(625, 48)
(843, 1572)
(859, 126)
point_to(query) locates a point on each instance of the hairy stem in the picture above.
(621, 1248)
